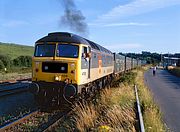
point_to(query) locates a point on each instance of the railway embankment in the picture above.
(115, 109)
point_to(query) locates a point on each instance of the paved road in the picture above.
(166, 91)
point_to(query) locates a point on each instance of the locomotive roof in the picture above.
(62, 37)
(71, 38)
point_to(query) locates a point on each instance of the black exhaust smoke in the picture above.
(73, 18)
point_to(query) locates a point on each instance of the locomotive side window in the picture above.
(67, 50)
(45, 50)
(84, 49)
(86, 52)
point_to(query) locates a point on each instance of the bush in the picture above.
(128, 78)
(1, 65)
(5, 60)
(23, 61)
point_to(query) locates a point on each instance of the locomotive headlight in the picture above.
(46, 68)
(72, 66)
(57, 78)
(63, 68)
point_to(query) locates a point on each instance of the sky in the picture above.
(119, 25)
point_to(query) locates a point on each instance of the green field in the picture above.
(15, 50)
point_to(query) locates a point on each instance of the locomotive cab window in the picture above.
(84, 52)
(45, 50)
(67, 50)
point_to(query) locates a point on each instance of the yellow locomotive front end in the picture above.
(55, 69)
(55, 62)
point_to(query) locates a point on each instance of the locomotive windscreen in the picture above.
(45, 50)
(67, 50)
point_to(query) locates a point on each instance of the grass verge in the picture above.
(151, 113)
(175, 71)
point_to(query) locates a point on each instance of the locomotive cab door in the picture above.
(85, 62)
(89, 66)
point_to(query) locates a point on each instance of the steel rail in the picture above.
(54, 122)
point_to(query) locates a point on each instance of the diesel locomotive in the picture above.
(66, 66)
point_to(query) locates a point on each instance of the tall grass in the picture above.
(114, 111)
(86, 116)
(117, 108)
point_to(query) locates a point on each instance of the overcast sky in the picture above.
(119, 25)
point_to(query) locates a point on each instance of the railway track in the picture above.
(15, 86)
(10, 82)
(36, 121)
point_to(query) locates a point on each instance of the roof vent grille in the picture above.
(61, 34)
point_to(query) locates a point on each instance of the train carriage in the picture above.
(133, 63)
(119, 63)
(138, 62)
(128, 63)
